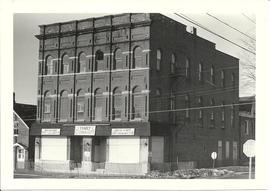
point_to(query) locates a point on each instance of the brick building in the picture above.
(120, 92)
(246, 123)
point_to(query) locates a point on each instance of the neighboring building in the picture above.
(23, 115)
(246, 122)
(120, 92)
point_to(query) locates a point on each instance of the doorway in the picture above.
(76, 150)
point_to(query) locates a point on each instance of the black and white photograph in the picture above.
(133, 95)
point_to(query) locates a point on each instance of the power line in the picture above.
(230, 26)
(208, 30)
(248, 18)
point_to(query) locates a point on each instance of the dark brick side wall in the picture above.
(193, 138)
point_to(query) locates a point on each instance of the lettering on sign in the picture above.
(50, 132)
(126, 131)
(85, 130)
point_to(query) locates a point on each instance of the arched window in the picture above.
(187, 105)
(64, 106)
(137, 57)
(47, 106)
(159, 57)
(97, 115)
(136, 103)
(49, 66)
(65, 64)
(99, 61)
(173, 64)
(200, 74)
(81, 66)
(222, 76)
(116, 104)
(187, 68)
(80, 105)
(212, 74)
(117, 61)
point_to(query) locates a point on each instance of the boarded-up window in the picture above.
(98, 105)
(136, 103)
(47, 106)
(64, 104)
(116, 104)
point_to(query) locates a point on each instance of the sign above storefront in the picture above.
(85, 130)
(123, 131)
(50, 132)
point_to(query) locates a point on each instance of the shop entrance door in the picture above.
(76, 151)
(99, 152)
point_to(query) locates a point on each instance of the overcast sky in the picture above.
(26, 45)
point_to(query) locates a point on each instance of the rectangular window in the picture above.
(222, 116)
(200, 114)
(20, 154)
(212, 116)
(16, 131)
(126, 61)
(222, 78)
(219, 154)
(146, 59)
(227, 150)
(187, 72)
(232, 116)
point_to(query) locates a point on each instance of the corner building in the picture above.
(115, 95)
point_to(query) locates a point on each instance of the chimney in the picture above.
(192, 30)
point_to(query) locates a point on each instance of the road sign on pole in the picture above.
(249, 151)
(214, 156)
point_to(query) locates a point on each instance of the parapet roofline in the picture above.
(87, 19)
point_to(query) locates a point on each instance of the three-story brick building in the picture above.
(124, 91)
